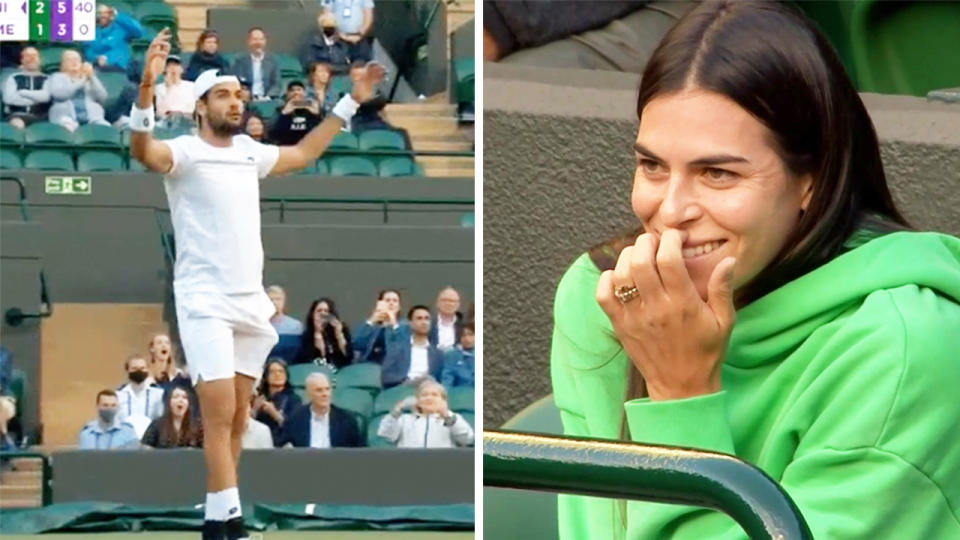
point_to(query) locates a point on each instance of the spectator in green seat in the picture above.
(354, 23)
(276, 400)
(282, 323)
(207, 56)
(382, 329)
(78, 95)
(110, 50)
(325, 336)
(430, 422)
(459, 363)
(25, 97)
(297, 117)
(325, 46)
(174, 97)
(320, 423)
(254, 128)
(107, 432)
(258, 67)
(8, 409)
(177, 428)
(318, 84)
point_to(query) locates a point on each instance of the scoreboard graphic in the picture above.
(48, 20)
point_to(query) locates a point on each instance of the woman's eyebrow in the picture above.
(707, 161)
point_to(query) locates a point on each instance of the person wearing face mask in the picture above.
(107, 431)
(141, 400)
(325, 46)
(429, 424)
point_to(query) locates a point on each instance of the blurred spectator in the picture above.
(207, 56)
(110, 50)
(10, 54)
(297, 116)
(140, 401)
(320, 424)
(430, 424)
(8, 409)
(176, 428)
(107, 431)
(276, 400)
(282, 323)
(25, 98)
(325, 46)
(354, 20)
(325, 337)
(245, 95)
(6, 368)
(258, 68)
(256, 436)
(459, 363)
(445, 331)
(117, 111)
(162, 367)
(411, 360)
(318, 84)
(174, 98)
(381, 330)
(78, 95)
(254, 128)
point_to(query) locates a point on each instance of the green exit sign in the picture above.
(68, 185)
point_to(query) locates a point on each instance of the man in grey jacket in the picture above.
(25, 100)
(78, 95)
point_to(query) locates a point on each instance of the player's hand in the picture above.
(156, 60)
(365, 81)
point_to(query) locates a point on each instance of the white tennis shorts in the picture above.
(224, 334)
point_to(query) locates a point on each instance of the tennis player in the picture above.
(212, 184)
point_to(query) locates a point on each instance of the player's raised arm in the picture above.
(153, 154)
(311, 146)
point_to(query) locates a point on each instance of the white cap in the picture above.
(208, 79)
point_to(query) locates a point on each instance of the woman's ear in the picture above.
(806, 191)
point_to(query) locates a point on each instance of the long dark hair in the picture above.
(309, 351)
(264, 388)
(190, 434)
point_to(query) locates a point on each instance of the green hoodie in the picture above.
(842, 385)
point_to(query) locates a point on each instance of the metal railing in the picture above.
(24, 206)
(384, 202)
(661, 474)
(15, 316)
(46, 475)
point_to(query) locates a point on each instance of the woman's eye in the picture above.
(651, 167)
(719, 175)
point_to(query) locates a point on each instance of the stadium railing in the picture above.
(384, 203)
(46, 471)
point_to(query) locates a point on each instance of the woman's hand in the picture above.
(258, 404)
(671, 335)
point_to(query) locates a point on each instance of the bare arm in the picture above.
(367, 22)
(153, 154)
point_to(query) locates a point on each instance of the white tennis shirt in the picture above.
(214, 197)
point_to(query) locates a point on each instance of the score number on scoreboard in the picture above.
(48, 20)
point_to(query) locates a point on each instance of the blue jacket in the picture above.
(119, 435)
(396, 364)
(113, 41)
(373, 342)
(343, 428)
(459, 367)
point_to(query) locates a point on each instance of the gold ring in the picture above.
(626, 293)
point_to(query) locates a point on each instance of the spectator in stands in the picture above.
(459, 363)
(162, 366)
(25, 98)
(78, 95)
(246, 96)
(107, 431)
(256, 436)
(430, 424)
(325, 339)
(297, 116)
(318, 84)
(110, 50)
(140, 401)
(174, 98)
(276, 400)
(446, 328)
(8, 409)
(258, 68)
(117, 111)
(177, 427)
(354, 21)
(382, 329)
(207, 56)
(319, 423)
(282, 323)
(254, 128)
(411, 360)
(325, 46)
(6, 368)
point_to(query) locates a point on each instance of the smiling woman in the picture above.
(773, 304)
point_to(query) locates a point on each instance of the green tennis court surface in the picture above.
(270, 535)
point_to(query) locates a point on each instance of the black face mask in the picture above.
(138, 376)
(329, 31)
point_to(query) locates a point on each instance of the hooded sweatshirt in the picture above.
(841, 385)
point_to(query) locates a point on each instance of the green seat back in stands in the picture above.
(113, 83)
(98, 136)
(47, 134)
(265, 109)
(49, 160)
(6, 72)
(289, 66)
(381, 139)
(121, 5)
(469, 417)
(357, 402)
(98, 160)
(151, 11)
(9, 159)
(389, 397)
(299, 373)
(9, 135)
(397, 166)
(467, 220)
(352, 166)
(374, 440)
(320, 167)
(364, 376)
(136, 166)
(345, 141)
(463, 75)
(50, 59)
(339, 85)
(461, 399)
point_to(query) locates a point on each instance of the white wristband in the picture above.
(141, 119)
(346, 108)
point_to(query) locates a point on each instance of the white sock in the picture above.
(226, 504)
(208, 510)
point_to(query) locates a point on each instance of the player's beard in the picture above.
(221, 126)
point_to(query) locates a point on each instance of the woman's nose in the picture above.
(678, 205)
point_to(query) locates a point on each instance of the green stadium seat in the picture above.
(363, 376)
(265, 109)
(301, 393)
(461, 399)
(344, 141)
(352, 166)
(10, 136)
(136, 166)
(397, 166)
(321, 168)
(339, 85)
(374, 440)
(469, 417)
(156, 15)
(357, 402)
(6, 72)
(9, 159)
(299, 373)
(289, 66)
(389, 397)
(114, 83)
(98, 160)
(50, 58)
(464, 74)
(381, 139)
(98, 137)
(49, 160)
(467, 220)
(45, 134)
(121, 6)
